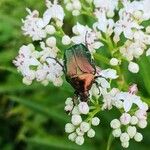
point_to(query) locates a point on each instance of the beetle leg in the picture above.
(56, 62)
(97, 77)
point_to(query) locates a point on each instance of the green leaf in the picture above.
(145, 72)
(59, 142)
(39, 108)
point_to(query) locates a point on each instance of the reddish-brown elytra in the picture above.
(79, 70)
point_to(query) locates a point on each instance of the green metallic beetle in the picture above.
(79, 70)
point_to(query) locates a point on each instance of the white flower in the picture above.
(76, 120)
(76, 5)
(95, 121)
(72, 136)
(115, 124)
(26, 81)
(83, 108)
(79, 132)
(34, 26)
(131, 130)
(125, 144)
(124, 137)
(54, 11)
(125, 118)
(133, 67)
(68, 108)
(76, 111)
(51, 41)
(50, 29)
(116, 132)
(79, 140)
(91, 133)
(114, 61)
(142, 123)
(141, 114)
(69, 128)
(84, 126)
(69, 101)
(138, 137)
(134, 120)
(84, 34)
(129, 99)
(109, 73)
(66, 40)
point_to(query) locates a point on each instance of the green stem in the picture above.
(110, 139)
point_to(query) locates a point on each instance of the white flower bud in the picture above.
(114, 62)
(91, 133)
(68, 108)
(69, 7)
(79, 132)
(75, 111)
(148, 29)
(26, 81)
(116, 132)
(79, 140)
(75, 12)
(76, 120)
(72, 136)
(145, 106)
(50, 29)
(124, 137)
(115, 124)
(134, 120)
(133, 67)
(141, 114)
(148, 52)
(125, 118)
(142, 123)
(59, 23)
(138, 137)
(51, 41)
(69, 101)
(58, 82)
(125, 144)
(137, 14)
(95, 121)
(69, 128)
(131, 130)
(83, 108)
(84, 126)
(118, 104)
(110, 13)
(76, 5)
(66, 40)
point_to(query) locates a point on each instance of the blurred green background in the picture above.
(33, 117)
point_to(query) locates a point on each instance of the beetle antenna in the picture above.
(56, 61)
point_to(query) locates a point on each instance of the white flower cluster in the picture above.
(131, 16)
(79, 127)
(36, 65)
(126, 126)
(36, 27)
